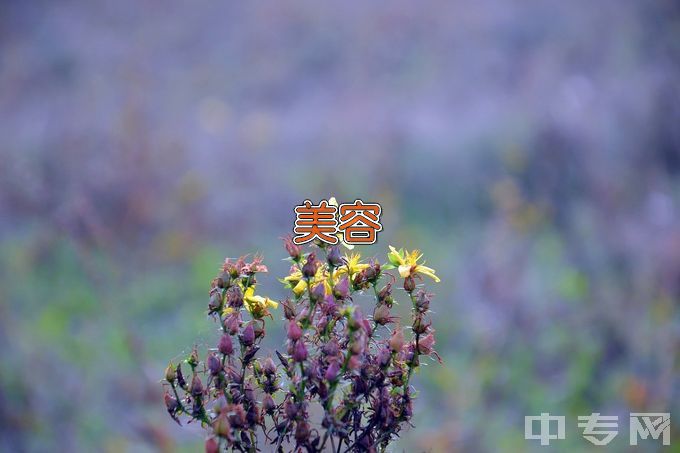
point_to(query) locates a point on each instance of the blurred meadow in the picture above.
(531, 150)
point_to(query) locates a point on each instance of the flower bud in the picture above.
(269, 367)
(426, 344)
(235, 297)
(196, 386)
(180, 377)
(171, 403)
(309, 269)
(300, 352)
(268, 404)
(193, 358)
(232, 323)
(332, 371)
(331, 348)
(422, 301)
(290, 409)
(248, 335)
(419, 325)
(409, 284)
(294, 331)
(318, 292)
(226, 346)
(292, 248)
(211, 445)
(341, 288)
(381, 314)
(214, 364)
(215, 303)
(170, 373)
(383, 357)
(334, 258)
(397, 340)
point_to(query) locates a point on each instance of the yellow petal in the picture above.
(405, 270)
(427, 271)
(300, 288)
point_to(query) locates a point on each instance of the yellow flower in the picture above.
(299, 284)
(341, 237)
(352, 265)
(257, 305)
(407, 263)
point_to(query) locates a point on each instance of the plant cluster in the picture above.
(343, 382)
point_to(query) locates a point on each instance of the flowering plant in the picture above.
(344, 379)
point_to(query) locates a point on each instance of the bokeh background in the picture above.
(530, 148)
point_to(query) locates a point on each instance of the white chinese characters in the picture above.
(600, 429)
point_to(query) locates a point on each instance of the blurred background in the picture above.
(530, 148)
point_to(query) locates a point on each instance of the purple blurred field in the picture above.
(530, 149)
